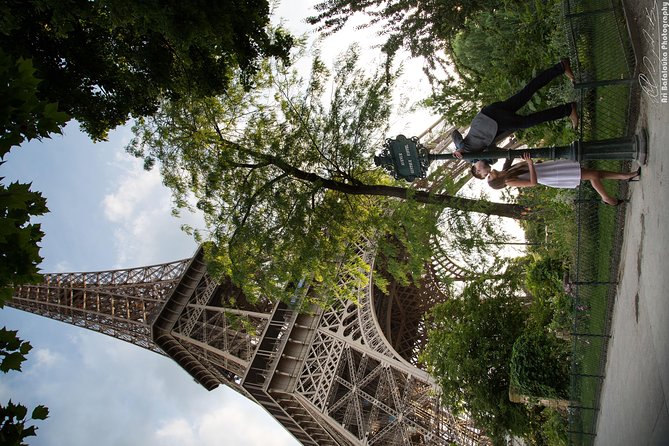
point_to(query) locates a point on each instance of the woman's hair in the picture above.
(510, 174)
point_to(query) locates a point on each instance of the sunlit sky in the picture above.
(106, 212)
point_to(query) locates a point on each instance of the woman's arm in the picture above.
(520, 183)
(530, 165)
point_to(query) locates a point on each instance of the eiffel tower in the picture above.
(347, 374)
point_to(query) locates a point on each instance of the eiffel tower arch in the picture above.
(347, 374)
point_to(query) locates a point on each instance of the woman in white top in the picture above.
(561, 173)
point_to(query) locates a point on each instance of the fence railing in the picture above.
(604, 64)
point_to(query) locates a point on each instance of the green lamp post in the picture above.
(406, 158)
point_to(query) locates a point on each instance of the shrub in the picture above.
(540, 366)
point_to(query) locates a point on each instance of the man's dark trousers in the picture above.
(504, 112)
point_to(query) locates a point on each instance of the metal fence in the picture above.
(604, 64)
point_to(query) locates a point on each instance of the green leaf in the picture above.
(20, 411)
(40, 413)
(30, 431)
(12, 361)
(9, 339)
(25, 348)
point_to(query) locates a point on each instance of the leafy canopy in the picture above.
(107, 60)
(422, 27)
(22, 115)
(284, 175)
(469, 351)
(258, 163)
(13, 429)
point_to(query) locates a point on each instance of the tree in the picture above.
(22, 116)
(107, 60)
(469, 349)
(477, 241)
(286, 182)
(495, 53)
(13, 429)
(423, 27)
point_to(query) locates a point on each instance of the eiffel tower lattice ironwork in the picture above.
(343, 375)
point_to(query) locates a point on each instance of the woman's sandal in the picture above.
(636, 177)
(618, 203)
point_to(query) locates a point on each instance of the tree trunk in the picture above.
(464, 204)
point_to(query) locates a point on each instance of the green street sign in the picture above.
(404, 158)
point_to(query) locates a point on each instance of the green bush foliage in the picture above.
(545, 280)
(540, 366)
(469, 350)
(554, 428)
(495, 54)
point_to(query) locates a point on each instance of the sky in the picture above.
(106, 212)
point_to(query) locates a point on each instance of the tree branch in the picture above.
(466, 204)
(488, 208)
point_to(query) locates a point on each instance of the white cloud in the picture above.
(176, 432)
(140, 208)
(237, 422)
(136, 189)
(45, 358)
(257, 431)
(62, 265)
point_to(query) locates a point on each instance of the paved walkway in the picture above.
(634, 409)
